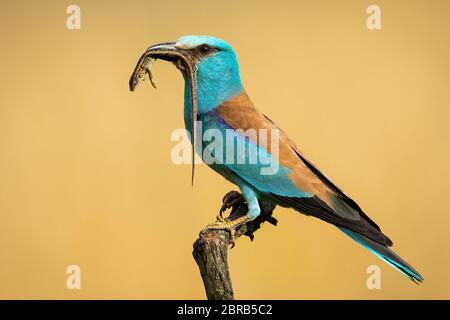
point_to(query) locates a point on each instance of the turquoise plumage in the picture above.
(216, 103)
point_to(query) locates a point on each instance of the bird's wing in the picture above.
(298, 183)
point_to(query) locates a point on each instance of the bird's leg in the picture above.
(234, 199)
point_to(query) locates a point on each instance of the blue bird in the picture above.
(270, 168)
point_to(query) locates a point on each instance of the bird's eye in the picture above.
(204, 49)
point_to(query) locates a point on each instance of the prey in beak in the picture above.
(185, 61)
(164, 51)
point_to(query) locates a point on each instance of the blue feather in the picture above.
(386, 254)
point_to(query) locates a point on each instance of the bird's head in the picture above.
(216, 67)
(208, 64)
(209, 67)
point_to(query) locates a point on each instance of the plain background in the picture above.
(86, 176)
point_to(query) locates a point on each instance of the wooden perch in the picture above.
(211, 249)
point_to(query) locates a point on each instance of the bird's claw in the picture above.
(222, 224)
(231, 200)
(230, 226)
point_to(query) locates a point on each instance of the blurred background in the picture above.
(86, 176)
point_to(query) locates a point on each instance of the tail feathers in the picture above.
(386, 254)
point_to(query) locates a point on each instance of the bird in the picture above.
(215, 99)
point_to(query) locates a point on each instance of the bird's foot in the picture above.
(230, 226)
(232, 199)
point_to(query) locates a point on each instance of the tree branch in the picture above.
(211, 250)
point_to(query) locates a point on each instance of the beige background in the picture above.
(85, 170)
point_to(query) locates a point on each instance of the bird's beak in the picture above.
(185, 62)
(168, 51)
(164, 51)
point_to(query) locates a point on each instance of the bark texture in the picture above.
(211, 249)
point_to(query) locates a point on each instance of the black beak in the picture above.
(184, 61)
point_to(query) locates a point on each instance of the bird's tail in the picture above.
(386, 254)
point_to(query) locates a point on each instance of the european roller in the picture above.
(216, 101)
